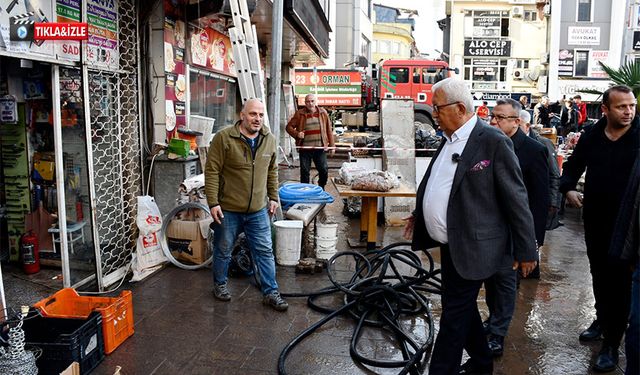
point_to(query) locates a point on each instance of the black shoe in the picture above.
(485, 327)
(470, 368)
(593, 333)
(496, 345)
(607, 359)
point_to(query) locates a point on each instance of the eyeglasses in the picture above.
(436, 108)
(502, 117)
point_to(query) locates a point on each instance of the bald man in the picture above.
(241, 183)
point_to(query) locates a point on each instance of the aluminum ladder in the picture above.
(244, 44)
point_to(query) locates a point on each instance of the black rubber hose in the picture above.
(379, 294)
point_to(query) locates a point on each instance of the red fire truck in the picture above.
(350, 91)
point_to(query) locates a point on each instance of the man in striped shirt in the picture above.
(311, 128)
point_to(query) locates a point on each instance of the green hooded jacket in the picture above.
(234, 179)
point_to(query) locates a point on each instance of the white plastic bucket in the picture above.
(325, 247)
(288, 241)
(326, 230)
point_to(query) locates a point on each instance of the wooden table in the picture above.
(369, 208)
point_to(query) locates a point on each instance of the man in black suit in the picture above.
(555, 198)
(472, 203)
(532, 158)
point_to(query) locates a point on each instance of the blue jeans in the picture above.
(632, 338)
(257, 227)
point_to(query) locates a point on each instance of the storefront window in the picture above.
(213, 96)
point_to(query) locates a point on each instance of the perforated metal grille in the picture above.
(113, 101)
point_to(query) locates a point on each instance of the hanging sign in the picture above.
(8, 109)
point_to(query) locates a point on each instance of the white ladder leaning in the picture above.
(244, 44)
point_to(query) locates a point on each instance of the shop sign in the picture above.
(565, 63)
(487, 47)
(332, 87)
(595, 69)
(584, 36)
(571, 87)
(37, 11)
(485, 73)
(102, 46)
(211, 49)
(68, 11)
(486, 21)
(175, 88)
(636, 40)
(8, 109)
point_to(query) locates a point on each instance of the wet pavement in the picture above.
(181, 329)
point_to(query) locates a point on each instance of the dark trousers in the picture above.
(632, 337)
(320, 160)
(460, 323)
(501, 299)
(611, 284)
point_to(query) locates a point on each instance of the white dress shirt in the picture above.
(436, 196)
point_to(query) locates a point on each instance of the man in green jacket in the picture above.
(241, 183)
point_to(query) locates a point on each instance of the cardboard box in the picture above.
(73, 369)
(188, 240)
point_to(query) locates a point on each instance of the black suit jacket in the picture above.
(532, 157)
(488, 217)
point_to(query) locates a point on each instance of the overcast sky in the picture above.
(428, 35)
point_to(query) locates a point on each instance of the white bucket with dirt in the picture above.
(326, 230)
(326, 247)
(288, 241)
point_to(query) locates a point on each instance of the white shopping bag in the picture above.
(148, 256)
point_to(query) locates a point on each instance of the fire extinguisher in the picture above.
(29, 253)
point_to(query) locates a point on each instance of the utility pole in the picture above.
(276, 67)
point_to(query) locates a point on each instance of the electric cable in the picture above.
(163, 237)
(386, 290)
(292, 193)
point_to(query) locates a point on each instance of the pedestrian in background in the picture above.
(311, 128)
(533, 162)
(568, 119)
(555, 198)
(472, 203)
(542, 114)
(241, 184)
(483, 112)
(607, 151)
(524, 102)
(581, 108)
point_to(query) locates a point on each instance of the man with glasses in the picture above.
(532, 158)
(472, 204)
(607, 151)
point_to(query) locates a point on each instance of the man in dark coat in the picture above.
(542, 114)
(472, 204)
(532, 158)
(607, 151)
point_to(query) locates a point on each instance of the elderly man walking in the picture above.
(312, 130)
(472, 203)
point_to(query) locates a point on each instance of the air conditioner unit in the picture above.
(517, 11)
(518, 74)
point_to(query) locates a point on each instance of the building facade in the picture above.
(500, 47)
(353, 32)
(392, 36)
(582, 33)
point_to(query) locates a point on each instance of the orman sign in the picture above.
(487, 47)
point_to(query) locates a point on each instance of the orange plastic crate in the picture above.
(117, 313)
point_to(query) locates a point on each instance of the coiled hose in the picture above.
(380, 293)
(163, 236)
(295, 192)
